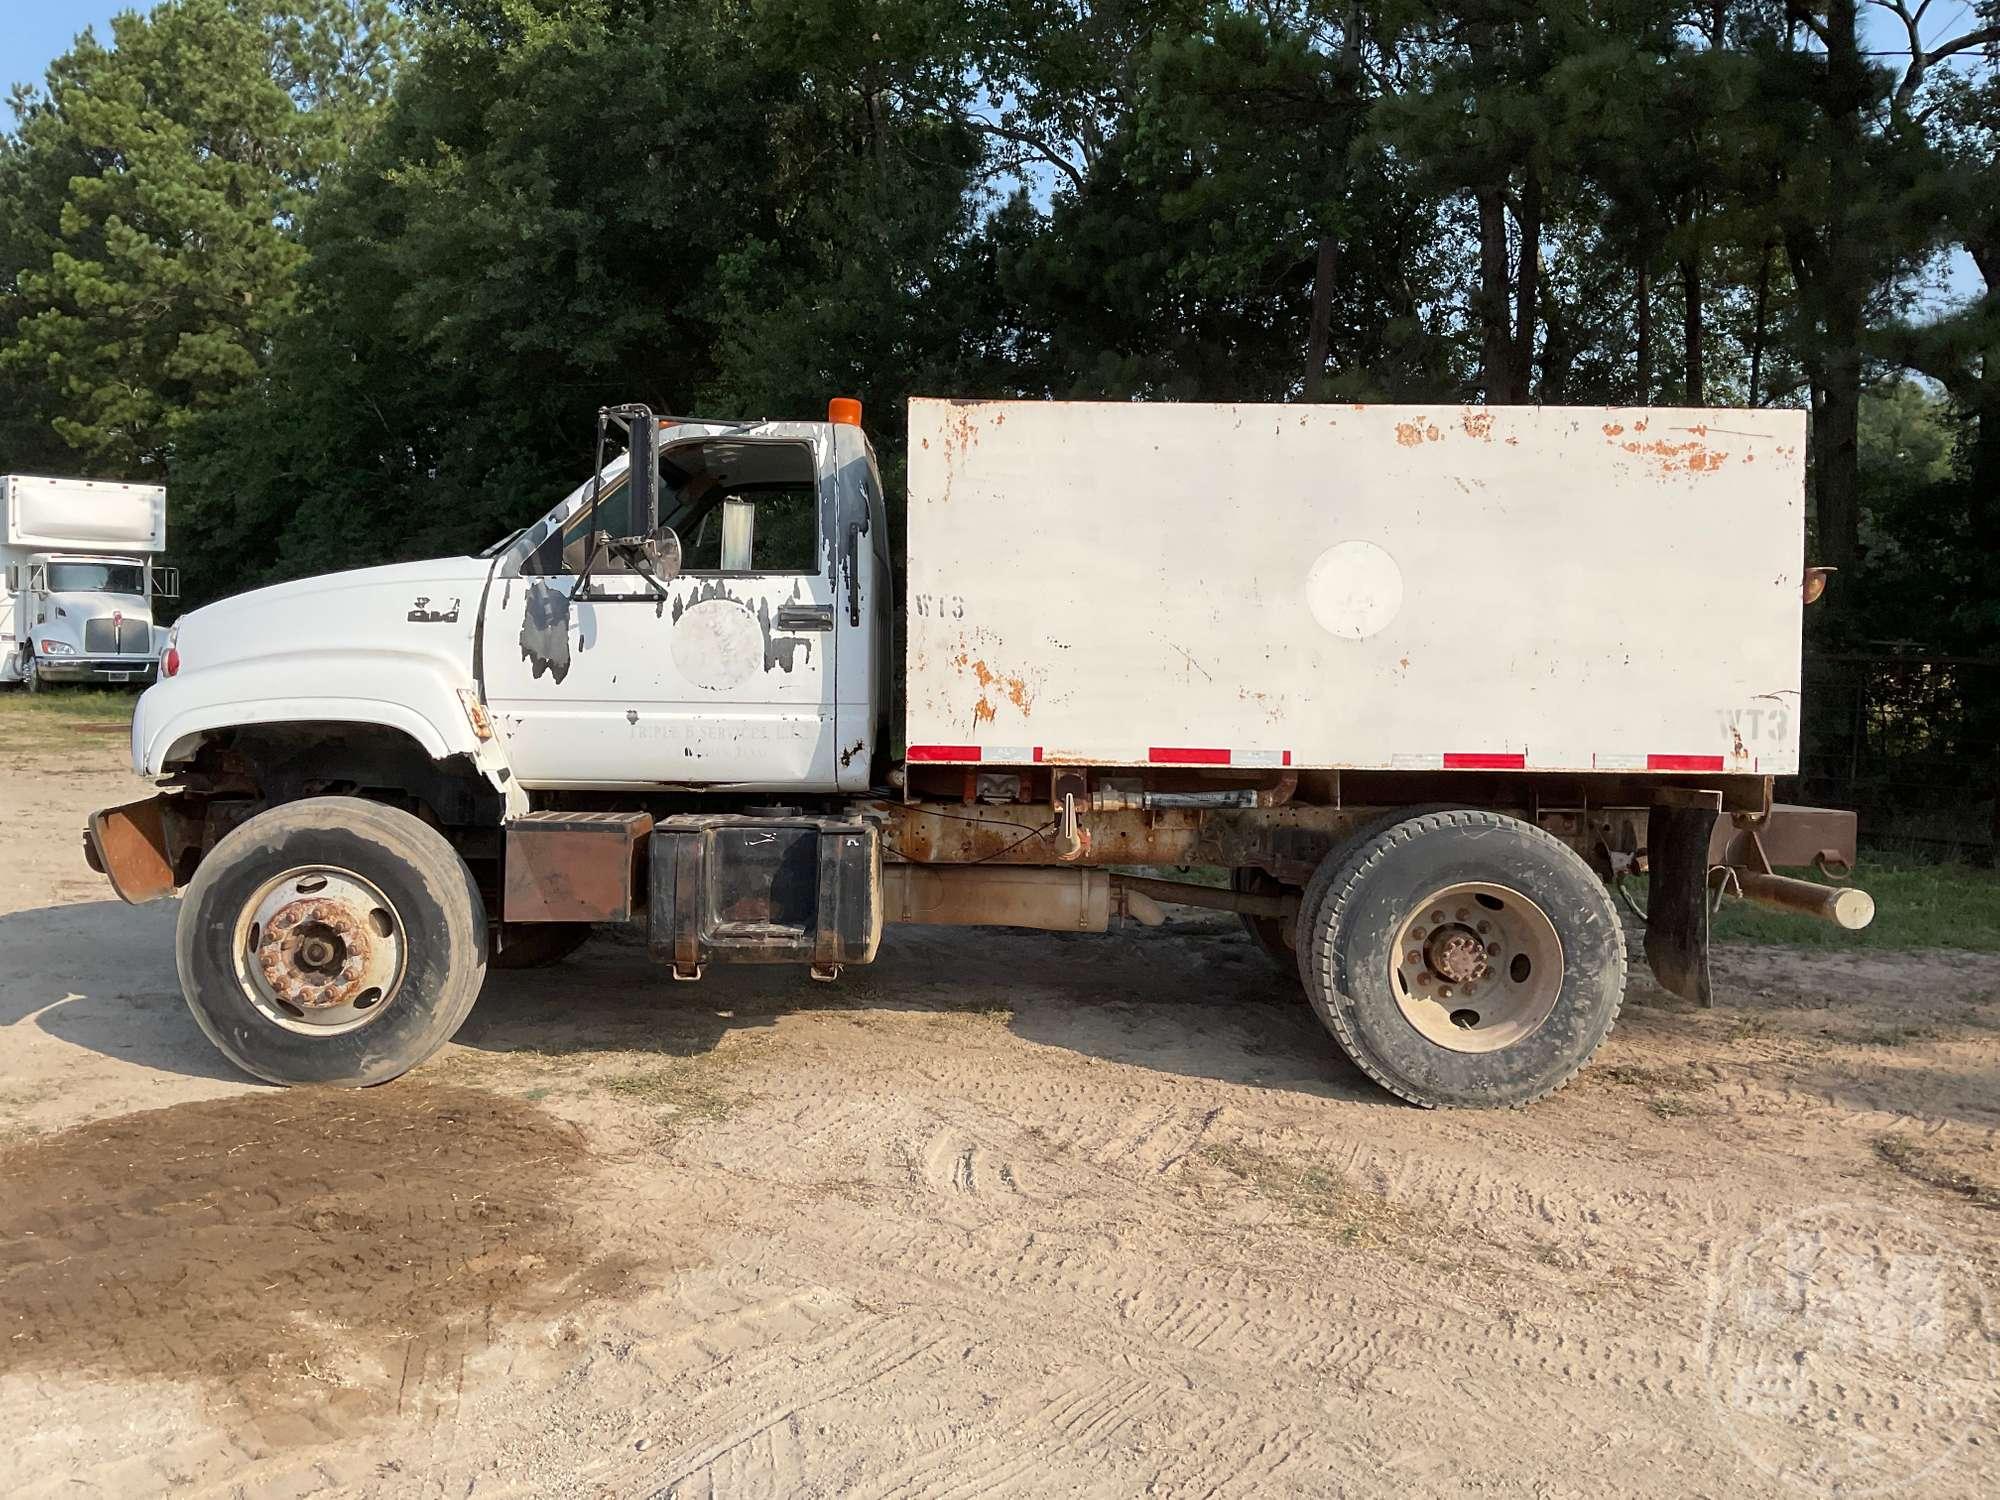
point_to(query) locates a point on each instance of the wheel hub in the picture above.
(320, 949)
(1456, 955)
(1476, 967)
(315, 953)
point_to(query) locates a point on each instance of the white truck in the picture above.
(1426, 682)
(77, 580)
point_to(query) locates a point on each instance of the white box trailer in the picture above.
(39, 514)
(1422, 681)
(77, 581)
(1378, 587)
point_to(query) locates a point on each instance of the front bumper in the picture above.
(96, 668)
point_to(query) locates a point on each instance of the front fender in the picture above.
(415, 694)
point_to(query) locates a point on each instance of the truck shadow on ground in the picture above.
(100, 975)
(1197, 1000)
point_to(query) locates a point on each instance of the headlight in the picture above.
(55, 648)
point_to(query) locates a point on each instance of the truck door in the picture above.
(721, 677)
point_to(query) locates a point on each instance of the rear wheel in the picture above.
(1272, 934)
(331, 941)
(1465, 959)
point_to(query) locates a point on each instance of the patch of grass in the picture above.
(57, 714)
(1312, 1195)
(683, 1094)
(1922, 1164)
(1916, 906)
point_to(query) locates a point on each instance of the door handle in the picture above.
(805, 617)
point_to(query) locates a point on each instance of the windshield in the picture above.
(96, 578)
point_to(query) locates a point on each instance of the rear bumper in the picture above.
(1791, 836)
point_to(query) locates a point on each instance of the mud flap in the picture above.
(1677, 900)
(128, 846)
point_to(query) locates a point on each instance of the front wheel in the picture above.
(1465, 959)
(331, 941)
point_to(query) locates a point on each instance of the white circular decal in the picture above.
(1354, 589)
(718, 644)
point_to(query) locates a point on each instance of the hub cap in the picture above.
(1476, 967)
(320, 950)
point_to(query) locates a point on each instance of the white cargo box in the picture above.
(1392, 587)
(82, 515)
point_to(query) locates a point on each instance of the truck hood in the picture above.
(423, 608)
(68, 612)
(390, 646)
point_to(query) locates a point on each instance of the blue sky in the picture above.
(33, 33)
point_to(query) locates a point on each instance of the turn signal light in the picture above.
(844, 410)
(171, 662)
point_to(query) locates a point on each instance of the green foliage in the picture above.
(150, 195)
(575, 203)
(358, 275)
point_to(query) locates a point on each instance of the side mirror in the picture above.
(645, 468)
(13, 578)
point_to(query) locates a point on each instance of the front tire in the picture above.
(1464, 959)
(331, 941)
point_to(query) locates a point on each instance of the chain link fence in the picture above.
(1912, 744)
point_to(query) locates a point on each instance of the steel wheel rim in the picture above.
(1476, 967)
(320, 950)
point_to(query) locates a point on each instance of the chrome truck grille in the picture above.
(117, 638)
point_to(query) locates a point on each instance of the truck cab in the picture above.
(87, 619)
(760, 667)
(78, 588)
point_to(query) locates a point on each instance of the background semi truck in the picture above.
(1427, 683)
(77, 581)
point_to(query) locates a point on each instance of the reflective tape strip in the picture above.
(1187, 756)
(1483, 760)
(943, 752)
(1684, 763)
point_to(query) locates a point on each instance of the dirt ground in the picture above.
(1004, 1214)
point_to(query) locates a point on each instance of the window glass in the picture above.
(612, 515)
(96, 578)
(786, 539)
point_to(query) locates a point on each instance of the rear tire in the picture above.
(1272, 934)
(331, 941)
(1464, 959)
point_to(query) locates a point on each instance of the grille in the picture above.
(117, 637)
